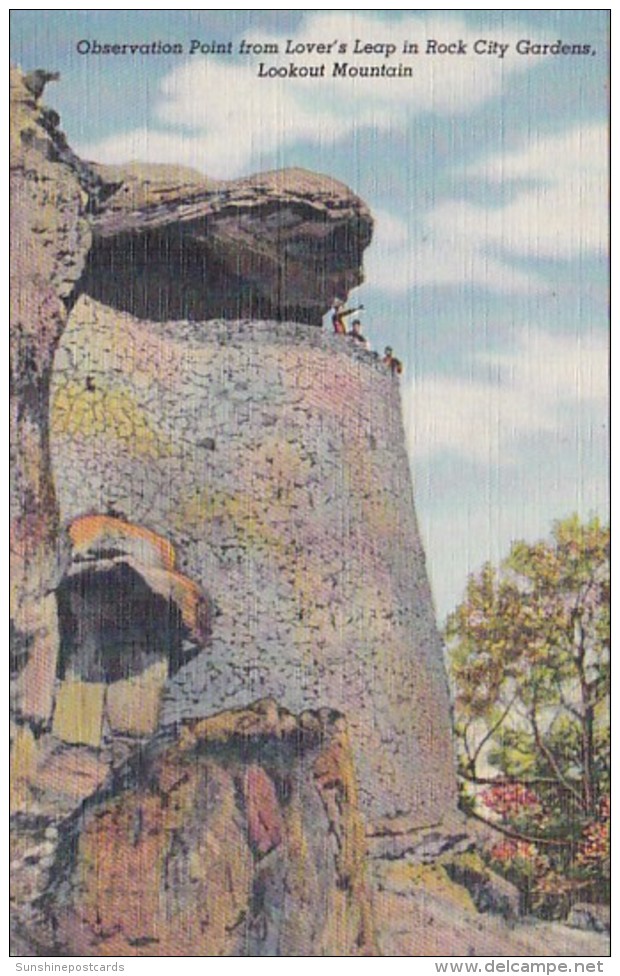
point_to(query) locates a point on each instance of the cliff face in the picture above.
(272, 456)
(278, 245)
(50, 237)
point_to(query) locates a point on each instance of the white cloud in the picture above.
(429, 253)
(231, 117)
(560, 212)
(564, 215)
(582, 150)
(536, 390)
(537, 434)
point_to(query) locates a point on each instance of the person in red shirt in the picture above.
(390, 360)
(339, 314)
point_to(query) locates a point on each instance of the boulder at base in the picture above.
(241, 837)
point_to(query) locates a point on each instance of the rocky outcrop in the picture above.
(421, 911)
(50, 237)
(128, 620)
(142, 187)
(272, 456)
(103, 546)
(590, 918)
(254, 813)
(241, 836)
(277, 245)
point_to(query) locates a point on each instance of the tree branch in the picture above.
(466, 729)
(514, 835)
(569, 708)
(546, 752)
(491, 732)
(512, 780)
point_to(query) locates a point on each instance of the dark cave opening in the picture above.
(276, 262)
(165, 276)
(113, 625)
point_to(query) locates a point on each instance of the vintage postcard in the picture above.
(310, 492)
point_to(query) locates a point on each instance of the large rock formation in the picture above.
(169, 244)
(272, 456)
(50, 237)
(241, 836)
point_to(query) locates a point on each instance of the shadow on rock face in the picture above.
(278, 246)
(113, 626)
(127, 620)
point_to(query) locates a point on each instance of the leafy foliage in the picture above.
(529, 664)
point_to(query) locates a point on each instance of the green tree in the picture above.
(529, 665)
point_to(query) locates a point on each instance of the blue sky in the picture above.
(488, 180)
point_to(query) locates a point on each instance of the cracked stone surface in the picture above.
(272, 456)
(237, 835)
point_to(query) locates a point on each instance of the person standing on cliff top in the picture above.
(356, 333)
(390, 360)
(340, 313)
